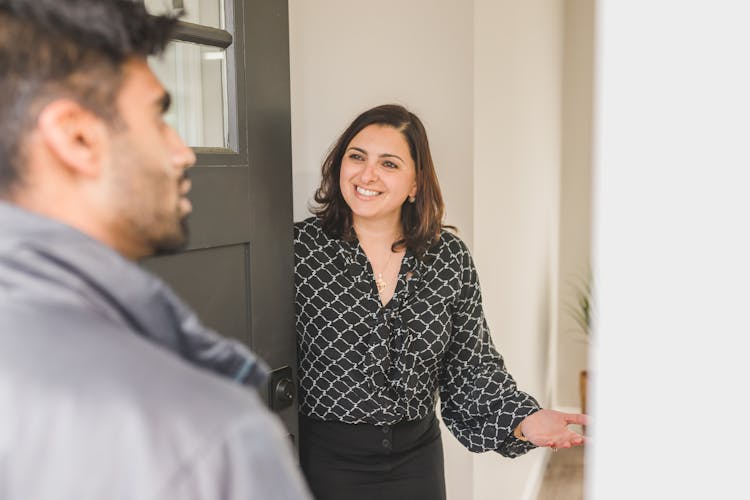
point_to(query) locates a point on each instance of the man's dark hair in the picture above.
(72, 49)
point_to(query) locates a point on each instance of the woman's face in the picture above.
(377, 174)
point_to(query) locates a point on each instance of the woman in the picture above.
(389, 314)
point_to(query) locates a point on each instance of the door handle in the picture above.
(284, 391)
(281, 388)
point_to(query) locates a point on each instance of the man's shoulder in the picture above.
(77, 354)
(71, 380)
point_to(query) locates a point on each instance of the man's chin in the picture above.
(173, 243)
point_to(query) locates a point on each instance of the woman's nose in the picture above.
(368, 174)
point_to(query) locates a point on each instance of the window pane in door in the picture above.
(195, 75)
(205, 12)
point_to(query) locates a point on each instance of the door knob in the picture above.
(281, 388)
(284, 391)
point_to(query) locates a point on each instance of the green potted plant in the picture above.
(581, 311)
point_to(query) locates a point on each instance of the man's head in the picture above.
(82, 137)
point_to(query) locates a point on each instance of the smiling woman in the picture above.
(404, 143)
(377, 175)
(389, 315)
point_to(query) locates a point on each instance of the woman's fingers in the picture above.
(576, 418)
(567, 439)
(550, 428)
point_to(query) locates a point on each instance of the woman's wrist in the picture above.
(519, 434)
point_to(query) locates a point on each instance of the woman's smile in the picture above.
(377, 174)
(366, 193)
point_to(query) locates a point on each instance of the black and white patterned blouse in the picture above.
(362, 362)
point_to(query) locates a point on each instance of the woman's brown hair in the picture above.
(421, 221)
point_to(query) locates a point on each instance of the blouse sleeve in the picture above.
(480, 402)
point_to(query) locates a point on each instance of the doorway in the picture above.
(228, 71)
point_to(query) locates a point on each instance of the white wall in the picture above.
(672, 251)
(485, 77)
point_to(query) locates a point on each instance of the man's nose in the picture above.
(183, 155)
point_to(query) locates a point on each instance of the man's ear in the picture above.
(74, 135)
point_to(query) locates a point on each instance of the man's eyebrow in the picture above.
(164, 102)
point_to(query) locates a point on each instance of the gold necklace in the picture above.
(380, 282)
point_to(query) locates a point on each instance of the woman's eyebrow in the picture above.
(384, 155)
(390, 155)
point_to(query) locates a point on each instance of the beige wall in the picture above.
(486, 78)
(575, 194)
(517, 82)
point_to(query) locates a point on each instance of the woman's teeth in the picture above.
(366, 192)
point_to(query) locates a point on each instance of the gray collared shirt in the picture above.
(95, 404)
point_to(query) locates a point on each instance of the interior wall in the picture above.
(347, 56)
(671, 250)
(575, 196)
(517, 109)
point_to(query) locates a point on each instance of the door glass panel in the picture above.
(195, 76)
(205, 12)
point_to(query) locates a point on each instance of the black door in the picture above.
(228, 71)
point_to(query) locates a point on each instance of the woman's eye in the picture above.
(389, 164)
(356, 156)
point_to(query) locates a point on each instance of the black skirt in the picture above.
(368, 462)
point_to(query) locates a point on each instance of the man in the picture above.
(110, 388)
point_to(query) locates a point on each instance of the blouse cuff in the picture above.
(513, 447)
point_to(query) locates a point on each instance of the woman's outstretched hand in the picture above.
(550, 428)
